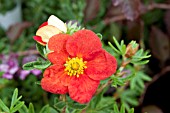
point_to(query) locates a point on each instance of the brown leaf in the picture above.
(151, 109)
(159, 43)
(134, 30)
(91, 10)
(113, 11)
(15, 30)
(131, 8)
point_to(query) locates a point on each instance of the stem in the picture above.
(102, 87)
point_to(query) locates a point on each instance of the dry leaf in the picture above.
(130, 8)
(15, 30)
(159, 43)
(91, 10)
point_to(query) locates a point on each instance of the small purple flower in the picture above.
(25, 73)
(9, 65)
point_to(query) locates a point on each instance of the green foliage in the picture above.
(39, 64)
(73, 27)
(122, 109)
(121, 48)
(139, 57)
(16, 104)
(6, 6)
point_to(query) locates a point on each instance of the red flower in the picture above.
(79, 63)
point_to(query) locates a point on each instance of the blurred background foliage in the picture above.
(145, 21)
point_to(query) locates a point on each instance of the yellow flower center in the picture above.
(75, 66)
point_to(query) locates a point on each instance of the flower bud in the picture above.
(131, 49)
(48, 29)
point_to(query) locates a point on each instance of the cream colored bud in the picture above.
(47, 32)
(54, 21)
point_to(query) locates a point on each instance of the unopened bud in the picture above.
(131, 49)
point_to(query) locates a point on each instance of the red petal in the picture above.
(57, 42)
(55, 80)
(82, 89)
(53, 85)
(83, 43)
(58, 58)
(39, 40)
(102, 66)
(43, 24)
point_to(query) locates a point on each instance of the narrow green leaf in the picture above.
(40, 59)
(17, 107)
(99, 35)
(116, 42)
(141, 83)
(45, 109)
(60, 105)
(117, 51)
(14, 98)
(41, 65)
(40, 49)
(132, 101)
(131, 110)
(116, 109)
(77, 105)
(23, 109)
(146, 77)
(3, 106)
(52, 110)
(141, 62)
(28, 66)
(38, 82)
(132, 84)
(31, 108)
(122, 109)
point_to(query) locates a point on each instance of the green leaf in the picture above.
(41, 65)
(45, 109)
(31, 108)
(38, 82)
(60, 105)
(122, 109)
(99, 35)
(117, 51)
(131, 110)
(28, 66)
(23, 109)
(115, 108)
(17, 107)
(14, 98)
(52, 110)
(140, 62)
(116, 42)
(40, 49)
(77, 105)
(4, 107)
(146, 77)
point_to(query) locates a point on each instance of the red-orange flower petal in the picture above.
(52, 82)
(43, 24)
(82, 89)
(101, 66)
(39, 40)
(55, 80)
(57, 42)
(58, 58)
(82, 43)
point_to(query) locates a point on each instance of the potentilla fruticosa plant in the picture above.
(75, 65)
(78, 61)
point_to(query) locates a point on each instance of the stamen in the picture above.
(75, 66)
